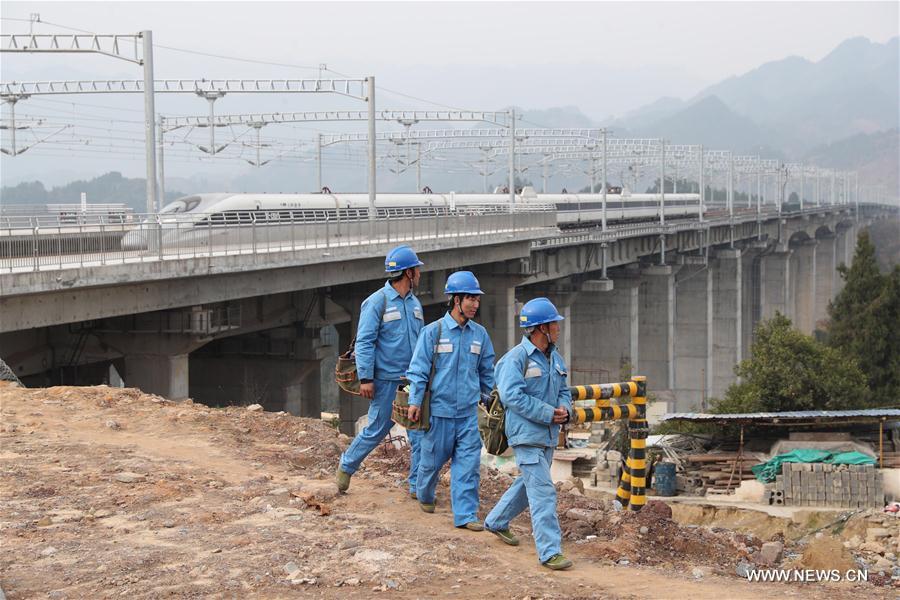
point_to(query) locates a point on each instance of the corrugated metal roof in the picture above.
(798, 415)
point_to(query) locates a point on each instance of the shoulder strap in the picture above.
(437, 341)
(384, 307)
(380, 321)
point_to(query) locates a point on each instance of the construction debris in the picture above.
(219, 502)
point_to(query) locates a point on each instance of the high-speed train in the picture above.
(218, 218)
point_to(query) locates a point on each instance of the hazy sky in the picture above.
(604, 57)
(708, 41)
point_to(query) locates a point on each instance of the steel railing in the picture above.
(46, 243)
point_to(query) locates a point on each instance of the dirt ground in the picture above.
(113, 493)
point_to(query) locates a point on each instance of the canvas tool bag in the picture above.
(345, 374)
(492, 425)
(492, 422)
(400, 408)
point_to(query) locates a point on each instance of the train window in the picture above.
(190, 203)
(173, 207)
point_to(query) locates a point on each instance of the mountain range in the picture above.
(793, 105)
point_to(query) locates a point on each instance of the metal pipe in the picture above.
(662, 183)
(701, 185)
(418, 168)
(593, 175)
(370, 99)
(758, 188)
(162, 162)
(603, 176)
(512, 158)
(149, 120)
(258, 162)
(319, 162)
(212, 124)
(730, 185)
(12, 124)
(604, 249)
(833, 188)
(818, 189)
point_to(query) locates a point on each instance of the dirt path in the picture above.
(110, 493)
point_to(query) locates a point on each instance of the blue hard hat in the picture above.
(462, 282)
(538, 311)
(400, 259)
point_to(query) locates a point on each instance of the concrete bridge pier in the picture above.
(656, 326)
(826, 274)
(165, 375)
(775, 284)
(751, 294)
(563, 294)
(803, 283)
(604, 331)
(693, 336)
(845, 247)
(155, 363)
(279, 369)
(499, 310)
(728, 318)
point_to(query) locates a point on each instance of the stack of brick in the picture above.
(820, 484)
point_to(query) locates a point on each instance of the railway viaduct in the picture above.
(677, 303)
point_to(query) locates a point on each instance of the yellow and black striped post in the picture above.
(637, 432)
(633, 483)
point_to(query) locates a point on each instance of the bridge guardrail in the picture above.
(49, 245)
(714, 219)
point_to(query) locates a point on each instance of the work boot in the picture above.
(473, 526)
(427, 506)
(412, 494)
(557, 562)
(507, 536)
(343, 480)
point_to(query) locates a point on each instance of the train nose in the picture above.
(135, 240)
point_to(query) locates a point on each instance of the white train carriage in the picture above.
(225, 218)
(582, 209)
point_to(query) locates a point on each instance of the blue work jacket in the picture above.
(389, 326)
(531, 393)
(464, 367)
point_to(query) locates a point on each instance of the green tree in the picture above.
(792, 371)
(864, 322)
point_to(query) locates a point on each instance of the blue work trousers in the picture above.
(457, 440)
(373, 433)
(533, 489)
(415, 441)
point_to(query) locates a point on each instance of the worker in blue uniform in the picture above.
(463, 371)
(533, 386)
(389, 324)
